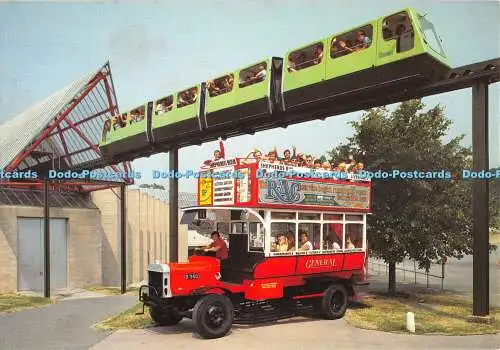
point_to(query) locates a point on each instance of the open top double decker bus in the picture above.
(296, 242)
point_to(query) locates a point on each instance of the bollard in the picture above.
(410, 322)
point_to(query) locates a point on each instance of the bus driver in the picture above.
(218, 246)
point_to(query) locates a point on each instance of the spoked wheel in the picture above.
(334, 303)
(213, 316)
(164, 317)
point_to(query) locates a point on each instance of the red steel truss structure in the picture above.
(62, 133)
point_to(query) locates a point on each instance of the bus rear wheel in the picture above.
(164, 317)
(334, 303)
(213, 316)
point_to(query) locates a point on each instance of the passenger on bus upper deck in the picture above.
(300, 160)
(272, 156)
(304, 239)
(358, 168)
(219, 154)
(287, 158)
(309, 161)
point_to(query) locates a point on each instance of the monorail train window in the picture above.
(309, 236)
(187, 97)
(137, 114)
(309, 216)
(253, 75)
(306, 57)
(353, 41)
(283, 215)
(333, 217)
(354, 218)
(432, 38)
(164, 105)
(398, 27)
(332, 235)
(119, 121)
(283, 237)
(221, 85)
(354, 236)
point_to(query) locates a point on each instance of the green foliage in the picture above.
(421, 219)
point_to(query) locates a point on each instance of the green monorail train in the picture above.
(395, 50)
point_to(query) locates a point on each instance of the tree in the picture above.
(422, 219)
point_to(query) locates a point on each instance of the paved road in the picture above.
(458, 276)
(64, 325)
(292, 334)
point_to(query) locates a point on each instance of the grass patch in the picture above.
(112, 290)
(437, 313)
(16, 302)
(128, 320)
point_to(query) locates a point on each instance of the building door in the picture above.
(31, 257)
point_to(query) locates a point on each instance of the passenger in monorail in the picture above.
(363, 41)
(136, 116)
(339, 48)
(163, 106)
(213, 89)
(302, 61)
(291, 64)
(188, 97)
(261, 74)
(228, 83)
(318, 54)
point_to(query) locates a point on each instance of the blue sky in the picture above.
(156, 47)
